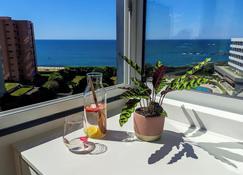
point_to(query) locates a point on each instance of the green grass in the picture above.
(9, 86)
(22, 91)
(77, 79)
(45, 74)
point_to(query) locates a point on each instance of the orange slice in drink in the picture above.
(93, 132)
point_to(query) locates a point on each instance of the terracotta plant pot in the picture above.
(148, 128)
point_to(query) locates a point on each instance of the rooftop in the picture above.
(231, 72)
(236, 39)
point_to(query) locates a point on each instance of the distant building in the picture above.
(18, 49)
(236, 54)
(233, 73)
(2, 89)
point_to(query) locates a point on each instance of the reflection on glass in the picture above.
(182, 33)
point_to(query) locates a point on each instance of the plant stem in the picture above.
(162, 99)
(167, 91)
(149, 95)
(153, 94)
(143, 102)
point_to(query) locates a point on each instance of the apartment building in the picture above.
(233, 73)
(236, 54)
(2, 89)
(18, 49)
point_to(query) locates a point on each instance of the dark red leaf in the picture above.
(158, 75)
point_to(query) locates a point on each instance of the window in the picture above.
(183, 33)
(78, 38)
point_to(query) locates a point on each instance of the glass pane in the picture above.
(183, 33)
(48, 47)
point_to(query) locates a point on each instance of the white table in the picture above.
(204, 153)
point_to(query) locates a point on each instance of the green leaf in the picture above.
(133, 64)
(192, 82)
(135, 94)
(198, 66)
(163, 113)
(158, 64)
(188, 80)
(141, 86)
(127, 111)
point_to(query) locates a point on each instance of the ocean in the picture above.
(76, 52)
(103, 52)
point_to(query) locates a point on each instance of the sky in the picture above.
(96, 19)
(194, 19)
(65, 19)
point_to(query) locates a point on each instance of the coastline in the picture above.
(49, 68)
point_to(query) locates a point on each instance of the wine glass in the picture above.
(74, 136)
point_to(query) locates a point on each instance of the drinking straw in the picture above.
(101, 118)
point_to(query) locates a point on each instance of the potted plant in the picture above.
(149, 116)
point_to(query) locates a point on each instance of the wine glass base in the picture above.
(78, 147)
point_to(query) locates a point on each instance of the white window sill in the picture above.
(218, 102)
(217, 153)
(214, 113)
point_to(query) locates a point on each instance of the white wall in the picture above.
(7, 166)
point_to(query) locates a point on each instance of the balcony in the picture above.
(236, 53)
(235, 66)
(236, 46)
(236, 59)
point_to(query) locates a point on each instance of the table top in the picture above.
(181, 150)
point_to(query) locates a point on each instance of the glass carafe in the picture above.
(95, 111)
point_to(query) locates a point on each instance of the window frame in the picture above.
(18, 119)
(130, 32)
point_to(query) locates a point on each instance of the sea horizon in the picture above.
(57, 39)
(102, 52)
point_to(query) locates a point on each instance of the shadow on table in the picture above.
(176, 140)
(120, 136)
(202, 128)
(172, 140)
(219, 152)
(185, 148)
